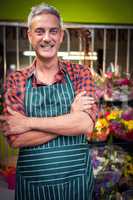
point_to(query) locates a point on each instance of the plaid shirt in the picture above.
(15, 85)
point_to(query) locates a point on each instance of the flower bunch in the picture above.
(113, 171)
(128, 166)
(117, 122)
(100, 131)
(9, 171)
(121, 123)
(113, 86)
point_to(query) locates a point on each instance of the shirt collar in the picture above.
(30, 71)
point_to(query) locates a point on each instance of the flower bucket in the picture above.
(11, 180)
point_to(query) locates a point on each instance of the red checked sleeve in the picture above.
(84, 82)
(13, 96)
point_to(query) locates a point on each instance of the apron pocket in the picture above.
(53, 165)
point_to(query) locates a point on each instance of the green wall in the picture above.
(83, 11)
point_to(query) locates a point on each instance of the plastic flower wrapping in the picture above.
(113, 85)
(113, 171)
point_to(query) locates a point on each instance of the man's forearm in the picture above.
(30, 138)
(69, 124)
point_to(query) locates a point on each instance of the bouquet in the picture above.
(114, 122)
(112, 86)
(121, 123)
(101, 131)
(113, 171)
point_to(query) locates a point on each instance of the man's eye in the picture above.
(54, 30)
(39, 32)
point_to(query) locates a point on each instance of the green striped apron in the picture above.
(60, 169)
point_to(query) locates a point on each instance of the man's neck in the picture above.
(47, 70)
(47, 66)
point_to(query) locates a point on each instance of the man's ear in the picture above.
(29, 35)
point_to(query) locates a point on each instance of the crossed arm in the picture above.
(25, 131)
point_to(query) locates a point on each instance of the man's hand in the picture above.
(15, 123)
(82, 102)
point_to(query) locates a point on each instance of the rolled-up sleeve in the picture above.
(86, 83)
(12, 95)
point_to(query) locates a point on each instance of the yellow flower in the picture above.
(101, 123)
(128, 124)
(115, 114)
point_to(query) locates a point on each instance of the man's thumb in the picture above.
(10, 111)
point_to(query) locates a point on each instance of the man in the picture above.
(50, 110)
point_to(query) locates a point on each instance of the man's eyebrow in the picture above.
(41, 28)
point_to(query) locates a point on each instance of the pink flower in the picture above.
(109, 75)
(123, 81)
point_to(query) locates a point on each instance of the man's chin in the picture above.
(47, 57)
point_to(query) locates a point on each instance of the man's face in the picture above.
(45, 35)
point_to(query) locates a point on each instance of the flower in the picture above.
(10, 175)
(101, 124)
(123, 81)
(121, 123)
(115, 114)
(117, 122)
(128, 114)
(128, 124)
(9, 171)
(100, 131)
(113, 168)
(112, 85)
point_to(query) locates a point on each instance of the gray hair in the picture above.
(42, 9)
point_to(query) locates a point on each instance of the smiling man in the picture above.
(49, 110)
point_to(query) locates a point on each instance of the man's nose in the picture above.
(46, 36)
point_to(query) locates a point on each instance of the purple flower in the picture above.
(116, 128)
(95, 163)
(128, 115)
